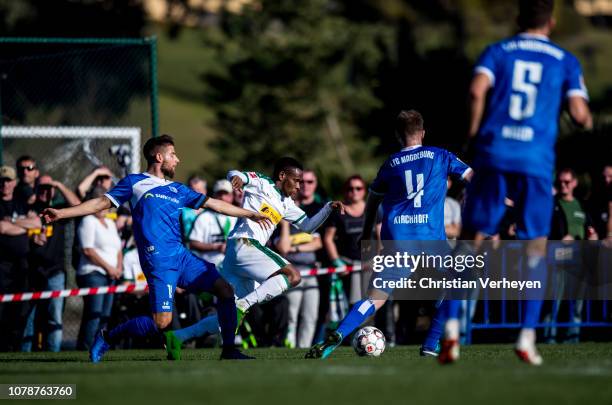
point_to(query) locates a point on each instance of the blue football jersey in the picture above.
(156, 207)
(413, 182)
(531, 77)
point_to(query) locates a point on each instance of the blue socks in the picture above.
(361, 311)
(537, 271)
(436, 328)
(451, 309)
(138, 327)
(208, 325)
(226, 310)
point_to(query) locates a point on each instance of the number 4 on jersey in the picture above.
(413, 194)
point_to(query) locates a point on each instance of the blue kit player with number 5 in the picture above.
(411, 185)
(520, 87)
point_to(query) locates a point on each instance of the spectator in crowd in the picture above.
(101, 176)
(188, 215)
(311, 203)
(600, 205)
(15, 220)
(46, 260)
(570, 222)
(209, 234)
(452, 215)
(100, 264)
(28, 173)
(197, 184)
(342, 234)
(300, 249)
(570, 219)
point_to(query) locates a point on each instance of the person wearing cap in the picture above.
(15, 220)
(210, 230)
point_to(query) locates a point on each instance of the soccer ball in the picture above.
(369, 341)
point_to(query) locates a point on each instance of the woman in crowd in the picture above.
(341, 238)
(100, 264)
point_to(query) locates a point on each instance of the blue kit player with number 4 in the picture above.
(520, 87)
(411, 185)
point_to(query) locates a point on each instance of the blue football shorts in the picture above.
(184, 270)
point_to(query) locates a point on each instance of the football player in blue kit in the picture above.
(411, 185)
(518, 91)
(156, 203)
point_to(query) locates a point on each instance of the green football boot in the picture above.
(173, 346)
(324, 349)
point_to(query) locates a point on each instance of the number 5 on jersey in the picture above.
(413, 194)
(525, 78)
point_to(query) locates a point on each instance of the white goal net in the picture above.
(69, 154)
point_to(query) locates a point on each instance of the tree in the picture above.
(296, 80)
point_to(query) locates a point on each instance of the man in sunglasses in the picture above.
(46, 259)
(28, 174)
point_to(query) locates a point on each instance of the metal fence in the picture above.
(480, 313)
(94, 82)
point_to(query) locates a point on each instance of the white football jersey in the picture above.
(262, 195)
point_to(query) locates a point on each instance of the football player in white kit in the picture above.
(257, 273)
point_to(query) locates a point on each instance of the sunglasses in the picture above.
(28, 168)
(565, 181)
(44, 187)
(355, 189)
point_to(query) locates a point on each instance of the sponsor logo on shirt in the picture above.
(173, 189)
(162, 196)
(271, 213)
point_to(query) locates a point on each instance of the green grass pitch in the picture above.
(486, 374)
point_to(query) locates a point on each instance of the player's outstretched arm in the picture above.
(371, 210)
(311, 224)
(87, 208)
(228, 209)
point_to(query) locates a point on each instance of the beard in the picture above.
(167, 171)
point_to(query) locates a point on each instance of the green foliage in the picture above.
(296, 81)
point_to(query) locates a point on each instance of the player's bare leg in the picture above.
(275, 285)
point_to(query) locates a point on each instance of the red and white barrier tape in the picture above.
(129, 288)
(321, 271)
(43, 295)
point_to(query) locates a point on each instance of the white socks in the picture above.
(272, 287)
(451, 329)
(526, 339)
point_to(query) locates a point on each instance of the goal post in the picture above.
(69, 153)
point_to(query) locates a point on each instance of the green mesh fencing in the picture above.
(81, 82)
